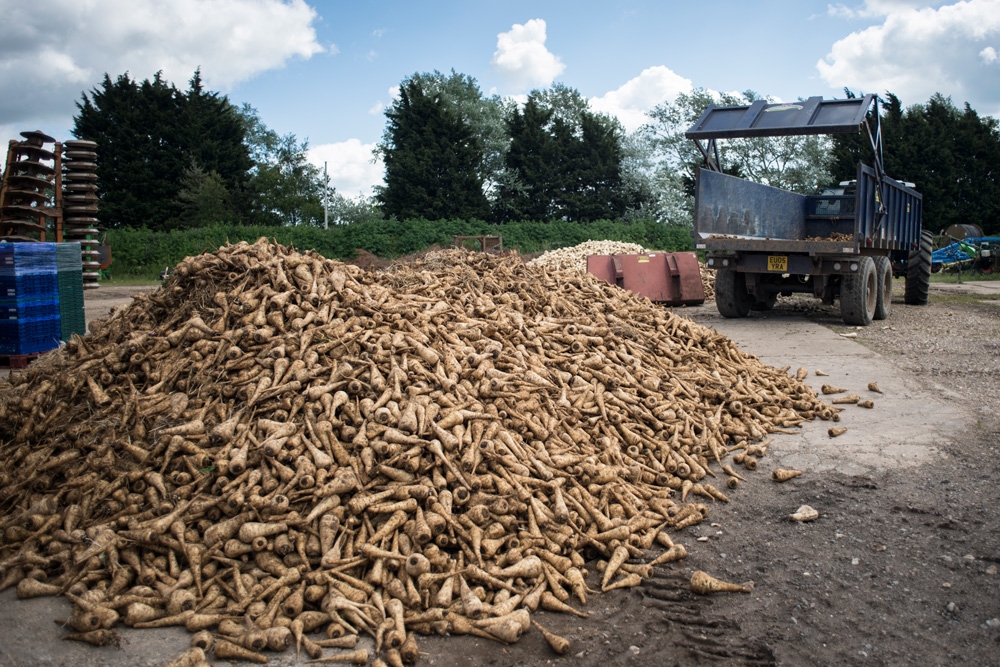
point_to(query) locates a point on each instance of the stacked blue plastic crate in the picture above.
(29, 298)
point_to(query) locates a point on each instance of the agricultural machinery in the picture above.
(840, 244)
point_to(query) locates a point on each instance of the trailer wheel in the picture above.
(883, 272)
(918, 271)
(859, 294)
(731, 295)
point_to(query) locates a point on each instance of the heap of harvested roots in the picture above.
(707, 281)
(575, 257)
(275, 444)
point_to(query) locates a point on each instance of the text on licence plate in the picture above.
(777, 263)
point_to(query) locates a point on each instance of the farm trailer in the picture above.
(845, 243)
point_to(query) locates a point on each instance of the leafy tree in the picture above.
(282, 187)
(486, 116)
(147, 136)
(952, 155)
(345, 210)
(433, 160)
(564, 162)
(531, 162)
(799, 164)
(214, 133)
(659, 191)
(204, 200)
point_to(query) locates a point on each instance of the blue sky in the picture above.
(326, 70)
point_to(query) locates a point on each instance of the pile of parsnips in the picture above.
(707, 281)
(275, 444)
(575, 257)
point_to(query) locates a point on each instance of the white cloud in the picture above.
(350, 166)
(988, 55)
(630, 103)
(376, 109)
(49, 55)
(876, 8)
(917, 52)
(521, 56)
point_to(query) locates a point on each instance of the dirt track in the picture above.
(901, 567)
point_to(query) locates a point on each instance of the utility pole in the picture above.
(326, 198)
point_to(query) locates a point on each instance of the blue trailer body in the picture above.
(733, 214)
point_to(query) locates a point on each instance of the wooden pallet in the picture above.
(17, 361)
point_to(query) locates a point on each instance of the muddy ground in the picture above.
(900, 568)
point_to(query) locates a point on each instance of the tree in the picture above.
(486, 116)
(148, 135)
(282, 187)
(952, 156)
(433, 161)
(564, 162)
(214, 133)
(796, 163)
(346, 211)
(204, 199)
(531, 162)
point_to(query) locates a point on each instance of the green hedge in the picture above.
(143, 252)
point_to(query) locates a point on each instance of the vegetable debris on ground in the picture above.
(274, 445)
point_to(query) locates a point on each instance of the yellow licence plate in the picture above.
(777, 263)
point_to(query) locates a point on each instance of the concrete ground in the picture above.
(919, 415)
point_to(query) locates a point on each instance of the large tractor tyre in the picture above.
(731, 295)
(918, 271)
(859, 294)
(883, 272)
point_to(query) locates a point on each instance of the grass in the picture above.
(973, 299)
(133, 279)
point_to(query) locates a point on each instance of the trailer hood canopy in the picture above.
(760, 119)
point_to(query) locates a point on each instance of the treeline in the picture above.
(951, 155)
(179, 159)
(145, 251)
(172, 159)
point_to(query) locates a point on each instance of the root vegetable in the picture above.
(358, 657)
(783, 475)
(202, 640)
(705, 584)
(227, 650)
(674, 553)
(619, 556)
(102, 637)
(189, 658)
(558, 644)
(834, 431)
(804, 513)
(31, 588)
